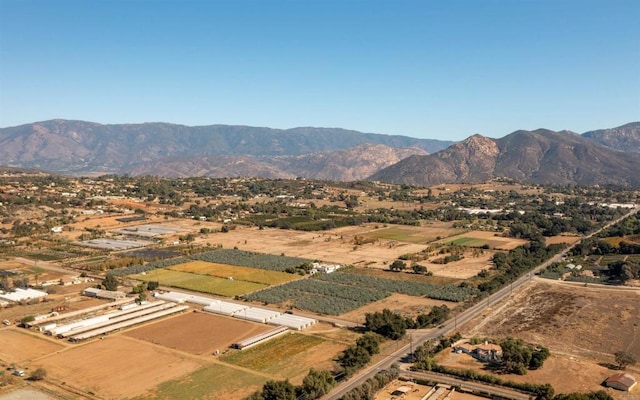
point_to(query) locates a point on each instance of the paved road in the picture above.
(419, 337)
(477, 387)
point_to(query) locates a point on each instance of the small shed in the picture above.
(621, 381)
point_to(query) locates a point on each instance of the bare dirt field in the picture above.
(335, 246)
(198, 333)
(17, 345)
(562, 239)
(403, 304)
(582, 326)
(117, 367)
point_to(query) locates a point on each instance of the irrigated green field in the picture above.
(199, 283)
(467, 241)
(238, 273)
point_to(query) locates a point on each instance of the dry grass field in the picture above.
(334, 246)
(465, 268)
(117, 367)
(197, 333)
(582, 326)
(238, 273)
(17, 345)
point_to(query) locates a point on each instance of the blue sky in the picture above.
(433, 69)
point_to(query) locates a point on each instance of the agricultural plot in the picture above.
(238, 273)
(412, 234)
(340, 293)
(117, 367)
(289, 355)
(481, 238)
(212, 382)
(197, 333)
(222, 256)
(19, 346)
(199, 283)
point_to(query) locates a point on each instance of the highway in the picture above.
(458, 320)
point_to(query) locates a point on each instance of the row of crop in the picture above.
(250, 259)
(438, 292)
(319, 296)
(221, 256)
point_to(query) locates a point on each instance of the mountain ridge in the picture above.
(540, 156)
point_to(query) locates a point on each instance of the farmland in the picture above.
(289, 355)
(114, 361)
(247, 274)
(488, 239)
(20, 346)
(211, 382)
(199, 283)
(197, 333)
(319, 294)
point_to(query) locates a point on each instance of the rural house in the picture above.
(487, 352)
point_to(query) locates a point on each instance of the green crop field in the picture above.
(213, 381)
(199, 283)
(277, 356)
(238, 273)
(400, 233)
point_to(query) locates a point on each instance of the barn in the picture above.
(621, 381)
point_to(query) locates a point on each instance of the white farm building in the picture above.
(22, 294)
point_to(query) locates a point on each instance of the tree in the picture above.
(398, 265)
(369, 341)
(38, 375)
(110, 282)
(152, 285)
(419, 269)
(316, 384)
(278, 390)
(624, 359)
(388, 324)
(354, 358)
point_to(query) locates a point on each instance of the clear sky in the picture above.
(433, 69)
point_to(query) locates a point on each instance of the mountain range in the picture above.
(80, 147)
(540, 156)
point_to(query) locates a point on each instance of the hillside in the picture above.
(624, 138)
(86, 147)
(539, 156)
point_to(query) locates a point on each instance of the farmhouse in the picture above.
(326, 268)
(488, 352)
(622, 381)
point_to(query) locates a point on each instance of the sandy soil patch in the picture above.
(117, 367)
(18, 345)
(403, 304)
(25, 394)
(198, 333)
